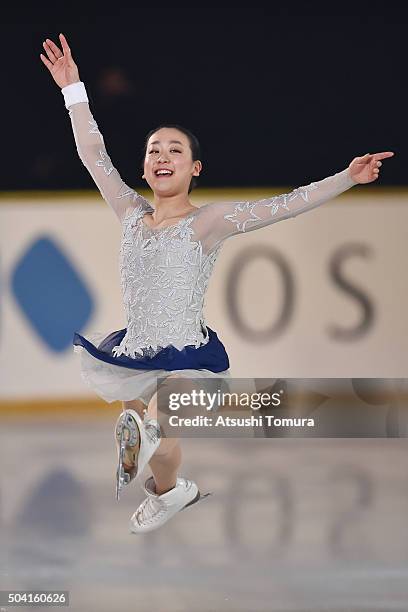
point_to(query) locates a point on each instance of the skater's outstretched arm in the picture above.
(218, 221)
(88, 139)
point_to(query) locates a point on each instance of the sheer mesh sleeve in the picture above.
(218, 221)
(92, 152)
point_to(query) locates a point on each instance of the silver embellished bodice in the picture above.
(164, 277)
(165, 272)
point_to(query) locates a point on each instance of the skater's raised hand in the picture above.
(365, 169)
(63, 69)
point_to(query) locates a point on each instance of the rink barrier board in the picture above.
(200, 194)
(57, 406)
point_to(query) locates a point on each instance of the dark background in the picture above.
(275, 96)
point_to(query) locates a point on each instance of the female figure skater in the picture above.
(167, 254)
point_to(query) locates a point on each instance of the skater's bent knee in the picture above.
(137, 405)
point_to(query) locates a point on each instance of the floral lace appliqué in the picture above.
(94, 127)
(245, 212)
(164, 277)
(105, 162)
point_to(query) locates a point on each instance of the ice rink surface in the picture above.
(293, 525)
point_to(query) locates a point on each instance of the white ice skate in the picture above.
(156, 510)
(136, 442)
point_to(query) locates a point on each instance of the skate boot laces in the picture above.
(152, 509)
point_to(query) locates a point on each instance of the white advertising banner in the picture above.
(321, 295)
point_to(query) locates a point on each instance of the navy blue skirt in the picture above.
(211, 356)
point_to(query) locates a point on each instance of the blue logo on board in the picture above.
(51, 294)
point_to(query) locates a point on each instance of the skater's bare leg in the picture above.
(167, 458)
(165, 464)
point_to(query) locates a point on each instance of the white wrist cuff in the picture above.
(74, 93)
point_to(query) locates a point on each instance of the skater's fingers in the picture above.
(49, 52)
(65, 48)
(383, 155)
(56, 50)
(46, 62)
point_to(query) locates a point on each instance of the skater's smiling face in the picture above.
(169, 166)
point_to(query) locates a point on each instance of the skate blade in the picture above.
(198, 498)
(122, 478)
